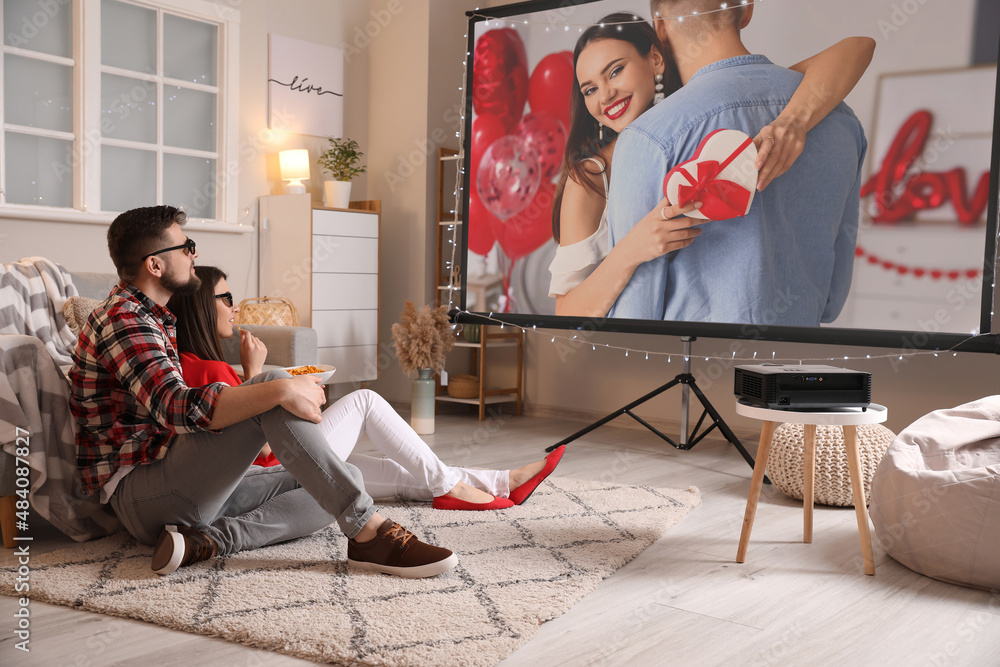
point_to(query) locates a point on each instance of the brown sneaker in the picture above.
(179, 546)
(395, 550)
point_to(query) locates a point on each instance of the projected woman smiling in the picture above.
(622, 69)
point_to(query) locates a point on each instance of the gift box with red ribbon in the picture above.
(722, 175)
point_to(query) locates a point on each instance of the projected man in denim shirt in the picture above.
(789, 260)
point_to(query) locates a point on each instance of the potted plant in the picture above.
(422, 339)
(340, 161)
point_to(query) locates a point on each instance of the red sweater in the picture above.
(198, 372)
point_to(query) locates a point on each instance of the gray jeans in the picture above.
(207, 480)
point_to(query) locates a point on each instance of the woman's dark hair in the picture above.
(582, 139)
(197, 317)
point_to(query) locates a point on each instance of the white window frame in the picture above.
(87, 112)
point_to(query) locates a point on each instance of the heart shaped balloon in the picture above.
(722, 175)
(547, 136)
(500, 76)
(509, 175)
(525, 232)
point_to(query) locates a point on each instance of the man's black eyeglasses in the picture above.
(227, 298)
(188, 246)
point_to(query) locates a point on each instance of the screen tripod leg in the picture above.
(723, 427)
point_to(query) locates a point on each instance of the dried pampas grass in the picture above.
(423, 338)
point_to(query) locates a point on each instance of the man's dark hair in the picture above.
(709, 15)
(139, 232)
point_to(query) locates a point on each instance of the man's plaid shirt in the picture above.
(128, 396)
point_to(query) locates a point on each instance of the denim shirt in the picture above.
(789, 260)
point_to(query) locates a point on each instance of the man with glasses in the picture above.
(175, 461)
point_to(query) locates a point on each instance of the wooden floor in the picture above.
(683, 601)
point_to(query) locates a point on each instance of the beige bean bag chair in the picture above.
(935, 497)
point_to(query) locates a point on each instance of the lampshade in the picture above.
(294, 168)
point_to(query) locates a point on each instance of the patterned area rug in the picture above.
(517, 568)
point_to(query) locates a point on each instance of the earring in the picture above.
(600, 132)
(658, 96)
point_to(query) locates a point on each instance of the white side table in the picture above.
(847, 418)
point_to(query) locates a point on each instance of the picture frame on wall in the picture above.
(305, 87)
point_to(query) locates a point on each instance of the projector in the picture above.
(784, 386)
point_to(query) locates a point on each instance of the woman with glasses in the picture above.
(411, 471)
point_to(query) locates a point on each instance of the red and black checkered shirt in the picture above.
(128, 395)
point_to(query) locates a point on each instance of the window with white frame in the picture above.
(113, 104)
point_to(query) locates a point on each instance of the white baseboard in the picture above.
(670, 427)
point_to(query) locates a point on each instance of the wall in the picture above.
(416, 68)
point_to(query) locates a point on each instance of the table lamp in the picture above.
(294, 168)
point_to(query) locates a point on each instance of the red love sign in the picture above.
(898, 198)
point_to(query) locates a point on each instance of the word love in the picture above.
(898, 199)
(302, 87)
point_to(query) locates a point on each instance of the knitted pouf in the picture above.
(832, 485)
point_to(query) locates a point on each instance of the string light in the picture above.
(724, 6)
(732, 355)
(460, 164)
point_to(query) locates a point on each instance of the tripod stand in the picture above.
(687, 439)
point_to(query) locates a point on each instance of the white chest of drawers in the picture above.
(326, 261)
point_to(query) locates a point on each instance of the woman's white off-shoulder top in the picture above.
(573, 263)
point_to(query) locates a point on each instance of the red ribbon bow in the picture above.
(720, 199)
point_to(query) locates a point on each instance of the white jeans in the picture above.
(411, 470)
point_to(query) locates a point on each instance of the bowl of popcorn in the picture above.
(322, 371)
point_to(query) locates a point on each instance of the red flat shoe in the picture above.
(449, 503)
(521, 493)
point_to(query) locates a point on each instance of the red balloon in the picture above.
(547, 136)
(486, 129)
(500, 76)
(527, 231)
(481, 224)
(550, 86)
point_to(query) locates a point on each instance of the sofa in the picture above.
(36, 391)
(286, 346)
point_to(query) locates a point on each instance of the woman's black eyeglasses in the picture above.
(227, 298)
(189, 247)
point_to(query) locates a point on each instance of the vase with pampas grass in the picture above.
(423, 339)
